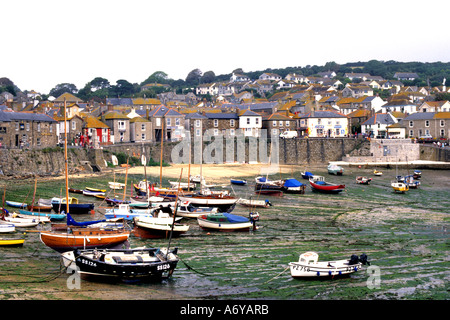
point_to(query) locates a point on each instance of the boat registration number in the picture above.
(87, 262)
(163, 267)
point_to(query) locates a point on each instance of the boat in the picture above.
(293, 186)
(123, 264)
(51, 216)
(253, 203)
(264, 186)
(115, 202)
(11, 242)
(160, 226)
(15, 204)
(411, 182)
(95, 189)
(40, 218)
(59, 205)
(326, 187)
(399, 186)
(363, 180)
(6, 227)
(182, 185)
(306, 175)
(17, 221)
(124, 211)
(80, 237)
(39, 207)
(116, 185)
(223, 221)
(308, 266)
(377, 173)
(196, 179)
(417, 174)
(187, 210)
(239, 182)
(93, 193)
(335, 169)
(78, 191)
(222, 202)
(316, 177)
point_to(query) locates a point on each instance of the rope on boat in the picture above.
(277, 275)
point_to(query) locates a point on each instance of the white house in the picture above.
(250, 123)
(376, 126)
(270, 76)
(324, 124)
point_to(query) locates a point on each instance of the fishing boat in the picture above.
(161, 226)
(123, 264)
(59, 205)
(335, 169)
(222, 221)
(326, 187)
(6, 227)
(293, 186)
(51, 216)
(222, 202)
(253, 203)
(377, 173)
(399, 186)
(15, 204)
(74, 238)
(308, 266)
(363, 180)
(239, 182)
(187, 210)
(11, 242)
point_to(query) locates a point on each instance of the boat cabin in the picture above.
(309, 257)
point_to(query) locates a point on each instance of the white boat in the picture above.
(21, 222)
(399, 186)
(124, 211)
(189, 211)
(223, 202)
(16, 204)
(377, 173)
(41, 219)
(182, 185)
(116, 185)
(308, 266)
(228, 222)
(254, 203)
(6, 227)
(159, 226)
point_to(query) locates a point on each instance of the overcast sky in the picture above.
(48, 42)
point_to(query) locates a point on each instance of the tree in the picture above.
(157, 77)
(63, 88)
(193, 77)
(99, 83)
(207, 77)
(122, 88)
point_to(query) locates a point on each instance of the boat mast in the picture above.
(65, 158)
(161, 155)
(174, 213)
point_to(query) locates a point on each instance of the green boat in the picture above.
(53, 216)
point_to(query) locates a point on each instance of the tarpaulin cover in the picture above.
(289, 183)
(235, 218)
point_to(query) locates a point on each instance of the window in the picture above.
(274, 123)
(411, 133)
(197, 123)
(143, 127)
(158, 122)
(288, 123)
(427, 123)
(216, 132)
(274, 132)
(121, 125)
(442, 123)
(50, 127)
(442, 132)
(28, 126)
(427, 132)
(143, 136)
(197, 132)
(74, 125)
(231, 132)
(248, 120)
(168, 122)
(17, 126)
(257, 120)
(281, 123)
(38, 141)
(38, 127)
(231, 122)
(411, 124)
(216, 123)
(177, 121)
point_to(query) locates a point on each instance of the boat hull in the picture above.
(327, 187)
(83, 238)
(75, 208)
(223, 203)
(146, 230)
(12, 242)
(131, 264)
(225, 226)
(321, 270)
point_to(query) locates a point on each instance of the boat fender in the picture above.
(318, 273)
(329, 273)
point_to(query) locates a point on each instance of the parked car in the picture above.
(426, 137)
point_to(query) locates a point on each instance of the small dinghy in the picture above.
(363, 180)
(222, 221)
(308, 266)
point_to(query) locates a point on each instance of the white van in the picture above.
(288, 134)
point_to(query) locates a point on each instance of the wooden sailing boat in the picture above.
(78, 238)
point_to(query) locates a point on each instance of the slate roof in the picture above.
(224, 115)
(195, 115)
(119, 101)
(382, 118)
(420, 116)
(323, 114)
(8, 116)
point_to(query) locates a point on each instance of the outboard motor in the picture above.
(254, 216)
(363, 259)
(353, 259)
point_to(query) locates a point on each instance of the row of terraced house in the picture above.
(312, 109)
